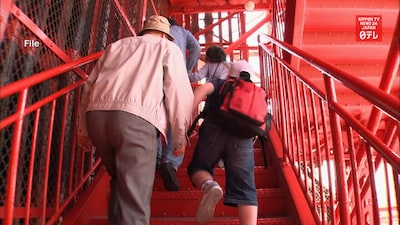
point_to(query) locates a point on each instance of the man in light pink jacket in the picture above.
(138, 85)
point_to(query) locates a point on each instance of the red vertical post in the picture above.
(95, 27)
(144, 14)
(61, 153)
(244, 51)
(338, 152)
(388, 76)
(47, 167)
(14, 156)
(31, 167)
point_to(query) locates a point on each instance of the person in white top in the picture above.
(215, 67)
(137, 85)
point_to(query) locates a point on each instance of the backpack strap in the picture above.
(194, 124)
(212, 77)
(262, 140)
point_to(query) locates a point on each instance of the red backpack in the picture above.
(243, 111)
(244, 108)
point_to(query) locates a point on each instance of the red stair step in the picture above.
(218, 221)
(165, 204)
(265, 178)
(179, 208)
(258, 158)
(192, 221)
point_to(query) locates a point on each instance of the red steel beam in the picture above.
(388, 77)
(154, 7)
(4, 13)
(124, 17)
(23, 18)
(210, 27)
(244, 36)
(213, 8)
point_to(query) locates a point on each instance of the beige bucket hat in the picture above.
(158, 23)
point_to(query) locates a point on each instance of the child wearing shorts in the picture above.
(215, 143)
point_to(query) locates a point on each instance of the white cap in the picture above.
(239, 66)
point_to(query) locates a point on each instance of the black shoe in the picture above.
(168, 175)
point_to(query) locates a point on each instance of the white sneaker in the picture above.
(211, 195)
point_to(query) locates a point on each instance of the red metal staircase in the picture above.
(180, 207)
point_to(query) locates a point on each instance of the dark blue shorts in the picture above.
(214, 144)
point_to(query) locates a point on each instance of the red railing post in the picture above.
(14, 156)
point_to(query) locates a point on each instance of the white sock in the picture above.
(206, 183)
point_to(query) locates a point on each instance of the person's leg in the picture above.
(206, 155)
(240, 184)
(135, 141)
(159, 151)
(113, 205)
(96, 123)
(212, 193)
(199, 177)
(247, 214)
(169, 164)
(167, 152)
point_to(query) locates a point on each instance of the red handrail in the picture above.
(308, 144)
(22, 87)
(34, 79)
(388, 103)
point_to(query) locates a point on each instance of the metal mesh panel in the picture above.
(39, 36)
(5, 139)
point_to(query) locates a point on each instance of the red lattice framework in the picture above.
(43, 43)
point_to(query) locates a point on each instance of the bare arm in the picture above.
(200, 74)
(200, 93)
